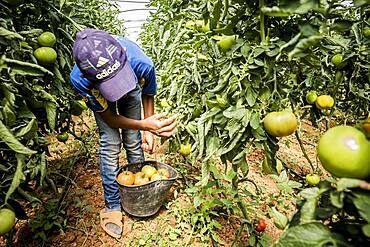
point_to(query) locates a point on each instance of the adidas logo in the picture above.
(108, 71)
(102, 61)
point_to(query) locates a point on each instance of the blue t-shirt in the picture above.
(141, 64)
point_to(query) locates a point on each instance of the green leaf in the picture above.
(280, 220)
(42, 167)
(306, 235)
(303, 45)
(230, 175)
(237, 114)
(362, 202)
(255, 120)
(275, 11)
(51, 113)
(251, 96)
(10, 140)
(28, 130)
(205, 173)
(308, 211)
(21, 64)
(9, 115)
(298, 6)
(9, 34)
(18, 176)
(337, 198)
(346, 183)
(212, 143)
(310, 193)
(26, 70)
(366, 230)
(359, 3)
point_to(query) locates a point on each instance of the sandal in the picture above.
(113, 217)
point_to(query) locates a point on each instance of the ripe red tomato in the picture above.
(344, 151)
(280, 124)
(261, 226)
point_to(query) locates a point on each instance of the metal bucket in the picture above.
(145, 200)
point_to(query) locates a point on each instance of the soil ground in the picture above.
(170, 226)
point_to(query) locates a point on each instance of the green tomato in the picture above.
(311, 97)
(280, 124)
(7, 220)
(337, 60)
(313, 179)
(226, 42)
(367, 32)
(62, 137)
(344, 151)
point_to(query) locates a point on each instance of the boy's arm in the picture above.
(153, 123)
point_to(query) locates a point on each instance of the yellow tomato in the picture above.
(324, 102)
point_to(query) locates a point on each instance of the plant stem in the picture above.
(304, 150)
(262, 21)
(235, 183)
(226, 9)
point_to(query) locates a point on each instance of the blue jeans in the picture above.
(110, 145)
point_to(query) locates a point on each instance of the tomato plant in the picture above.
(343, 224)
(36, 44)
(271, 65)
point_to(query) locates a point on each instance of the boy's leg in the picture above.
(130, 107)
(110, 145)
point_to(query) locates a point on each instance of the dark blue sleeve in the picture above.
(150, 84)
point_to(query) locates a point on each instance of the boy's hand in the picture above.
(148, 142)
(163, 128)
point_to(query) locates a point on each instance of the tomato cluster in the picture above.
(147, 174)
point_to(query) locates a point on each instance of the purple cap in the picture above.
(103, 61)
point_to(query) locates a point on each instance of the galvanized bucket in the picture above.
(145, 200)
